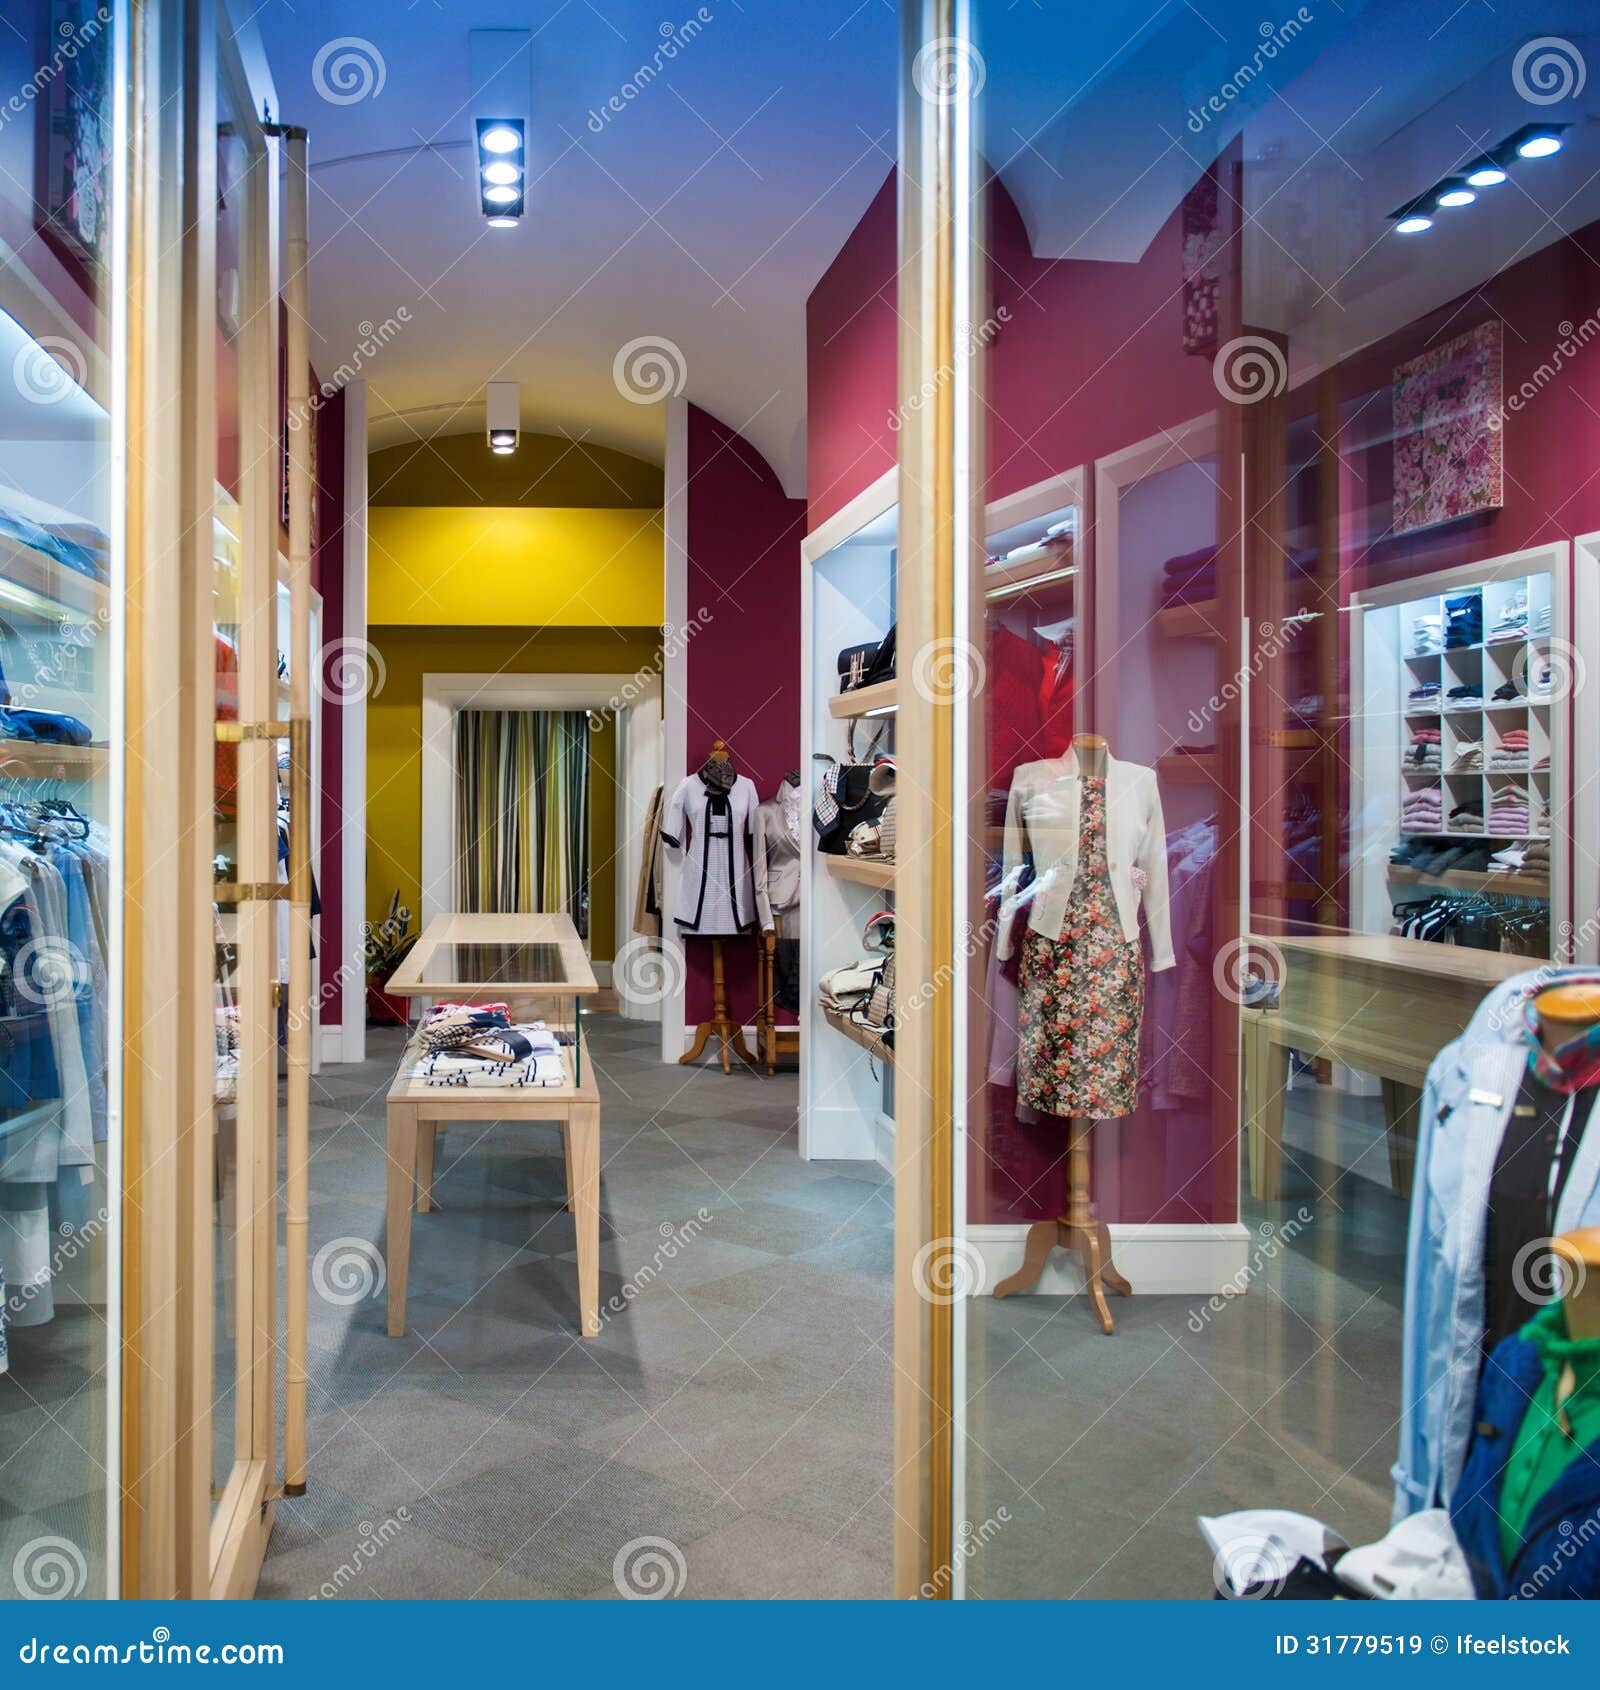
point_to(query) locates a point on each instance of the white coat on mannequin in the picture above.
(716, 894)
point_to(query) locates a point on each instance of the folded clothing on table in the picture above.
(525, 1055)
(46, 727)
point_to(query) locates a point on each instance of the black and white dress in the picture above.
(716, 895)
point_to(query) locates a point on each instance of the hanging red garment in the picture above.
(1016, 672)
(1056, 704)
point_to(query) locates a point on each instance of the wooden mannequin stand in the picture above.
(720, 1025)
(1076, 1230)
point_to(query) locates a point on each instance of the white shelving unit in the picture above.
(1403, 683)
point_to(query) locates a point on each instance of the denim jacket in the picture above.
(1466, 1103)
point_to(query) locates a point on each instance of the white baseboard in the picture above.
(334, 1045)
(883, 1142)
(602, 974)
(1157, 1260)
(713, 1050)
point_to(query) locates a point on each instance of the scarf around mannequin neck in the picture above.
(718, 777)
(1567, 1068)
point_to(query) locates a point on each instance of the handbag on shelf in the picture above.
(844, 988)
(845, 797)
(878, 1010)
(866, 665)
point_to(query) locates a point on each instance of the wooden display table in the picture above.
(1383, 1005)
(537, 965)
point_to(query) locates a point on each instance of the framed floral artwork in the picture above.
(74, 180)
(1448, 444)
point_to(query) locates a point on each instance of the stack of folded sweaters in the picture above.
(1463, 621)
(1427, 634)
(1467, 818)
(1464, 697)
(1511, 752)
(1425, 692)
(1423, 811)
(1508, 813)
(1531, 859)
(1189, 579)
(477, 1046)
(1423, 752)
(1468, 757)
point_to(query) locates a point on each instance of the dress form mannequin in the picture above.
(1078, 1230)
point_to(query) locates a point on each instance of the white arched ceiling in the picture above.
(699, 216)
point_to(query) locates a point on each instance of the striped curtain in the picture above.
(523, 812)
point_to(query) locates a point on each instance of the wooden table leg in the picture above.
(427, 1144)
(583, 1141)
(566, 1150)
(402, 1181)
(1400, 1107)
(1265, 1079)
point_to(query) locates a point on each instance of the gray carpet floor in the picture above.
(728, 1432)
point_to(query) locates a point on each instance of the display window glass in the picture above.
(1278, 737)
(60, 630)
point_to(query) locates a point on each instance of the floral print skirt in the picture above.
(1081, 1003)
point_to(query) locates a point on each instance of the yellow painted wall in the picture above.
(528, 567)
(394, 742)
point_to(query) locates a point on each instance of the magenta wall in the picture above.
(327, 570)
(743, 667)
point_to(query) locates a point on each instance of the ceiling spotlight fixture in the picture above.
(501, 164)
(502, 406)
(498, 222)
(1488, 170)
(1413, 225)
(1453, 193)
(1486, 173)
(1539, 146)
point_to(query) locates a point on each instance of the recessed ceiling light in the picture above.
(1541, 144)
(501, 196)
(502, 170)
(1485, 174)
(1413, 225)
(502, 451)
(500, 139)
(504, 222)
(1454, 193)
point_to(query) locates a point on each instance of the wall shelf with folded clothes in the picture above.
(858, 1034)
(31, 759)
(33, 584)
(864, 871)
(880, 699)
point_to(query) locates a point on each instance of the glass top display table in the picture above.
(537, 966)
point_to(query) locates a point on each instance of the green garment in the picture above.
(1544, 1449)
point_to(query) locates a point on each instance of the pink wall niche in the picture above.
(743, 665)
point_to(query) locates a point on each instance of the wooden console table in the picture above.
(1380, 1004)
(537, 965)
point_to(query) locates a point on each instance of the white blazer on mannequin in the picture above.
(1042, 821)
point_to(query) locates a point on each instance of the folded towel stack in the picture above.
(1512, 622)
(1427, 635)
